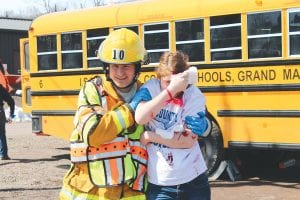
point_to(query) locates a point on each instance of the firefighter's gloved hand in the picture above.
(197, 124)
(142, 95)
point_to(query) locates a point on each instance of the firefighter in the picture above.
(108, 160)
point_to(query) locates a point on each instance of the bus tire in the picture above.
(212, 147)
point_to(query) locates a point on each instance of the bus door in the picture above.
(25, 75)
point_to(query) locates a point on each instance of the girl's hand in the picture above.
(145, 137)
(179, 83)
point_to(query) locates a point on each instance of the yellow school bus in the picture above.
(247, 54)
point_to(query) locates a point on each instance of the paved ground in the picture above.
(37, 166)
(39, 163)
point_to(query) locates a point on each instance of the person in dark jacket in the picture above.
(5, 96)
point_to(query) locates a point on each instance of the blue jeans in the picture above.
(197, 189)
(3, 143)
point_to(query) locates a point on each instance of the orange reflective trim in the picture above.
(111, 147)
(138, 182)
(139, 151)
(78, 152)
(115, 172)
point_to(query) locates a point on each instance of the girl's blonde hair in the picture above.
(172, 63)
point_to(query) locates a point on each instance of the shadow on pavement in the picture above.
(264, 168)
(53, 158)
(31, 189)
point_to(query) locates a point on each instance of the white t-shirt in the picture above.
(169, 166)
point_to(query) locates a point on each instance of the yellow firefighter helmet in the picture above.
(122, 46)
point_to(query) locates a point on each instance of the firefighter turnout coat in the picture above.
(108, 160)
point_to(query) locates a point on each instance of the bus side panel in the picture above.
(59, 126)
(258, 130)
(269, 117)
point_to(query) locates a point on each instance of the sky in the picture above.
(14, 4)
(14, 8)
(24, 4)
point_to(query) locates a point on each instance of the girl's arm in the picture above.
(145, 111)
(179, 140)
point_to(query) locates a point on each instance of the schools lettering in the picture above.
(291, 74)
(147, 77)
(214, 77)
(249, 75)
(257, 75)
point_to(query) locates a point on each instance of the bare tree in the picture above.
(8, 13)
(47, 6)
(52, 8)
(82, 5)
(98, 2)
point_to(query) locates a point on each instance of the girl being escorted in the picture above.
(174, 171)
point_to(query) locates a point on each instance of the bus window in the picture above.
(264, 34)
(47, 52)
(71, 46)
(190, 38)
(294, 32)
(26, 57)
(156, 38)
(225, 37)
(94, 38)
(28, 96)
(133, 28)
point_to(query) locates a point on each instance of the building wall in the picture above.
(10, 49)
